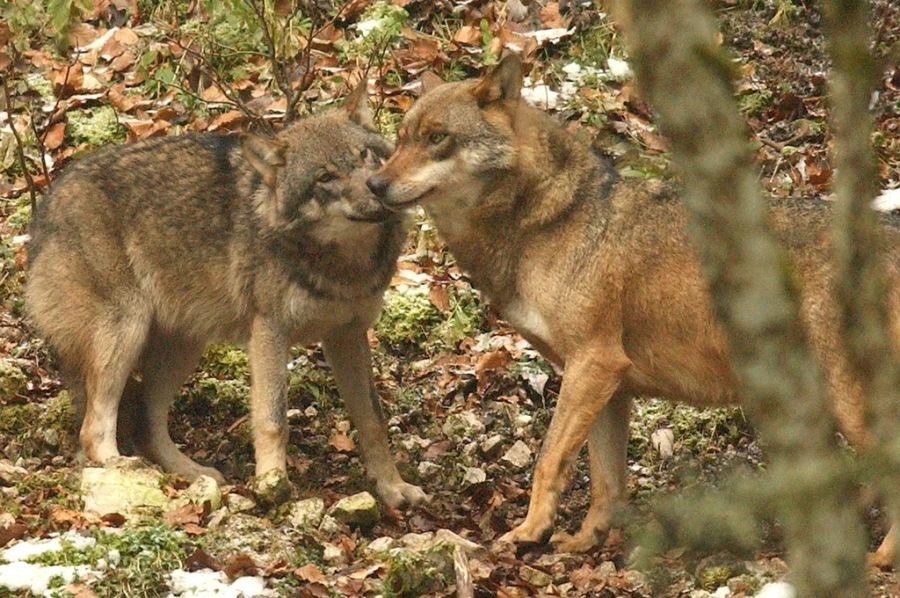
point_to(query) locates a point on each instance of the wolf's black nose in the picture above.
(377, 184)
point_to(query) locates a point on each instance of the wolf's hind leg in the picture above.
(347, 351)
(165, 365)
(607, 450)
(115, 348)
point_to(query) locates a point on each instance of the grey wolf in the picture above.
(143, 254)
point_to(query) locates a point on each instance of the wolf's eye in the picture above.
(326, 177)
(369, 155)
(436, 138)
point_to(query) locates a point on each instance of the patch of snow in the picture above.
(368, 26)
(541, 96)
(888, 200)
(549, 35)
(27, 549)
(778, 589)
(36, 579)
(572, 70)
(207, 583)
(619, 69)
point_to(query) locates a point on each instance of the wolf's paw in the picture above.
(525, 534)
(880, 560)
(399, 494)
(580, 542)
(272, 487)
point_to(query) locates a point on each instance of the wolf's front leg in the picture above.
(268, 351)
(589, 382)
(347, 351)
(607, 449)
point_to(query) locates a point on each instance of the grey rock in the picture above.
(125, 491)
(491, 446)
(238, 503)
(535, 577)
(519, 455)
(360, 510)
(417, 542)
(427, 469)
(380, 546)
(307, 513)
(11, 474)
(462, 425)
(473, 475)
(330, 526)
(333, 555)
(204, 490)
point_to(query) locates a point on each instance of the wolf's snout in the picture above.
(378, 184)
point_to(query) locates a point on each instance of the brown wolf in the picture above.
(145, 253)
(597, 273)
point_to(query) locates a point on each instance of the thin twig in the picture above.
(232, 98)
(41, 138)
(377, 57)
(282, 79)
(20, 147)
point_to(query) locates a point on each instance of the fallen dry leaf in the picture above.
(341, 442)
(228, 121)
(468, 35)
(240, 565)
(189, 513)
(310, 572)
(53, 136)
(440, 298)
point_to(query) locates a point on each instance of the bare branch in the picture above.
(232, 98)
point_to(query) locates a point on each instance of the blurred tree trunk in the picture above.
(862, 286)
(687, 79)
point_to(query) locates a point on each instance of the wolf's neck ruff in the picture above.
(557, 187)
(332, 270)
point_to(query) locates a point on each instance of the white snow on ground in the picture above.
(618, 68)
(542, 96)
(22, 551)
(207, 583)
(17, 575)
(778, 589)
(888, 200)
(36, 578)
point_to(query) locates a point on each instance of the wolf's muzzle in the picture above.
(378, 184)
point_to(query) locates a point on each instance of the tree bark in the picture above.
(687, 79)
(862, 285)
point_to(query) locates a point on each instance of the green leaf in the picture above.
(60, 12)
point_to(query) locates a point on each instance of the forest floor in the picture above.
(468, 400)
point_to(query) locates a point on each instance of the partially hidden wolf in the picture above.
(143, 254)
(598, 274)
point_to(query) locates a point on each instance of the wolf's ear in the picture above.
(357, 106)
(430, 81)
(264, 154)
(503, 82)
